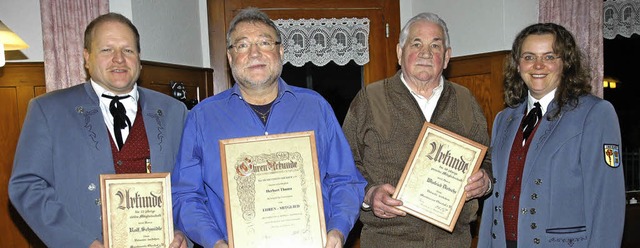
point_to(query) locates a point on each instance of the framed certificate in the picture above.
(432, 183)
(136, 210)
(272, 191)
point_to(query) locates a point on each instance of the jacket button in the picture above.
(534, 226)
(497, 194)
(493, 235)
(495, 222)
(524, 210)
(538, 181)
(536, 241)
(98, 202)
(119, 162)
(534, 196)
(532, 211)
(91, 187)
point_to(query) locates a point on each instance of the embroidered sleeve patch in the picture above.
(612, 155)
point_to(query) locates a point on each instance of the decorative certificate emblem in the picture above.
(244, 167)
(432, 184)
(272, 191)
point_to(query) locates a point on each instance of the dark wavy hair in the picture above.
(574, 80)
(109, 17)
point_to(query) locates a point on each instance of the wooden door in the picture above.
(483, 75)
(19, 82)
(384, 16)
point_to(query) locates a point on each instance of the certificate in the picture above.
(272, 191)
(432, 183)
(136, 210)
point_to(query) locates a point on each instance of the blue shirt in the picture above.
(198, 196)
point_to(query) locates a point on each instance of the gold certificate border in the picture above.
(152, 219)
(272, 190)
(432, 183)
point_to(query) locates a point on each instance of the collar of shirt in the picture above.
(130, 104)
(101, 90)
(427, 105)
(544, 101)
(282, 89)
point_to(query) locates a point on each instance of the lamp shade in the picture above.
(1, 55)
(10, 39)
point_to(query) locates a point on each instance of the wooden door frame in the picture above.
(220, 13)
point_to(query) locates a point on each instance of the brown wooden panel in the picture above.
(157, 76)
(480, 85)
(19, 82)
(483, 75)
(39, 90)
(9, 131)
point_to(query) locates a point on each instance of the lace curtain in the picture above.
(621, 17)
(324, 40)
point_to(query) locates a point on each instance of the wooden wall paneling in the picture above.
(19, 83)
(198, 82)
(391, 17)
(218, 22)
(483, 75)
(383, 60)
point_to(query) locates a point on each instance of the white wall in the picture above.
(158, 21)
(477, 26)
(23, 17)
(474, 26)
(170, 31)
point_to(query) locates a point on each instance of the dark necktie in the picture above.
(530, 121)
(120, 119)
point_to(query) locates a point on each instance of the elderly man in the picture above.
(383, 124)
(259, 103)
(104, 126)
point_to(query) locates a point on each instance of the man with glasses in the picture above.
(260, 103)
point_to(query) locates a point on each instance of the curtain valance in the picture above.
(323, 40)
(621, 17)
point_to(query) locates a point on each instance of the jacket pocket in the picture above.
(567, 230)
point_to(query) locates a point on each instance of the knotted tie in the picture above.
(120, 119)
(530, 121)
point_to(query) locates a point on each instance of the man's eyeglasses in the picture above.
(244, 46)
(531, 58)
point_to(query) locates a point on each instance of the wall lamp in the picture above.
(9, 41)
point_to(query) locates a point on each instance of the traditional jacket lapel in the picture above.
(505, 139)
(94, 129)
(154, 120)
(541, 136)
(91, 120)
